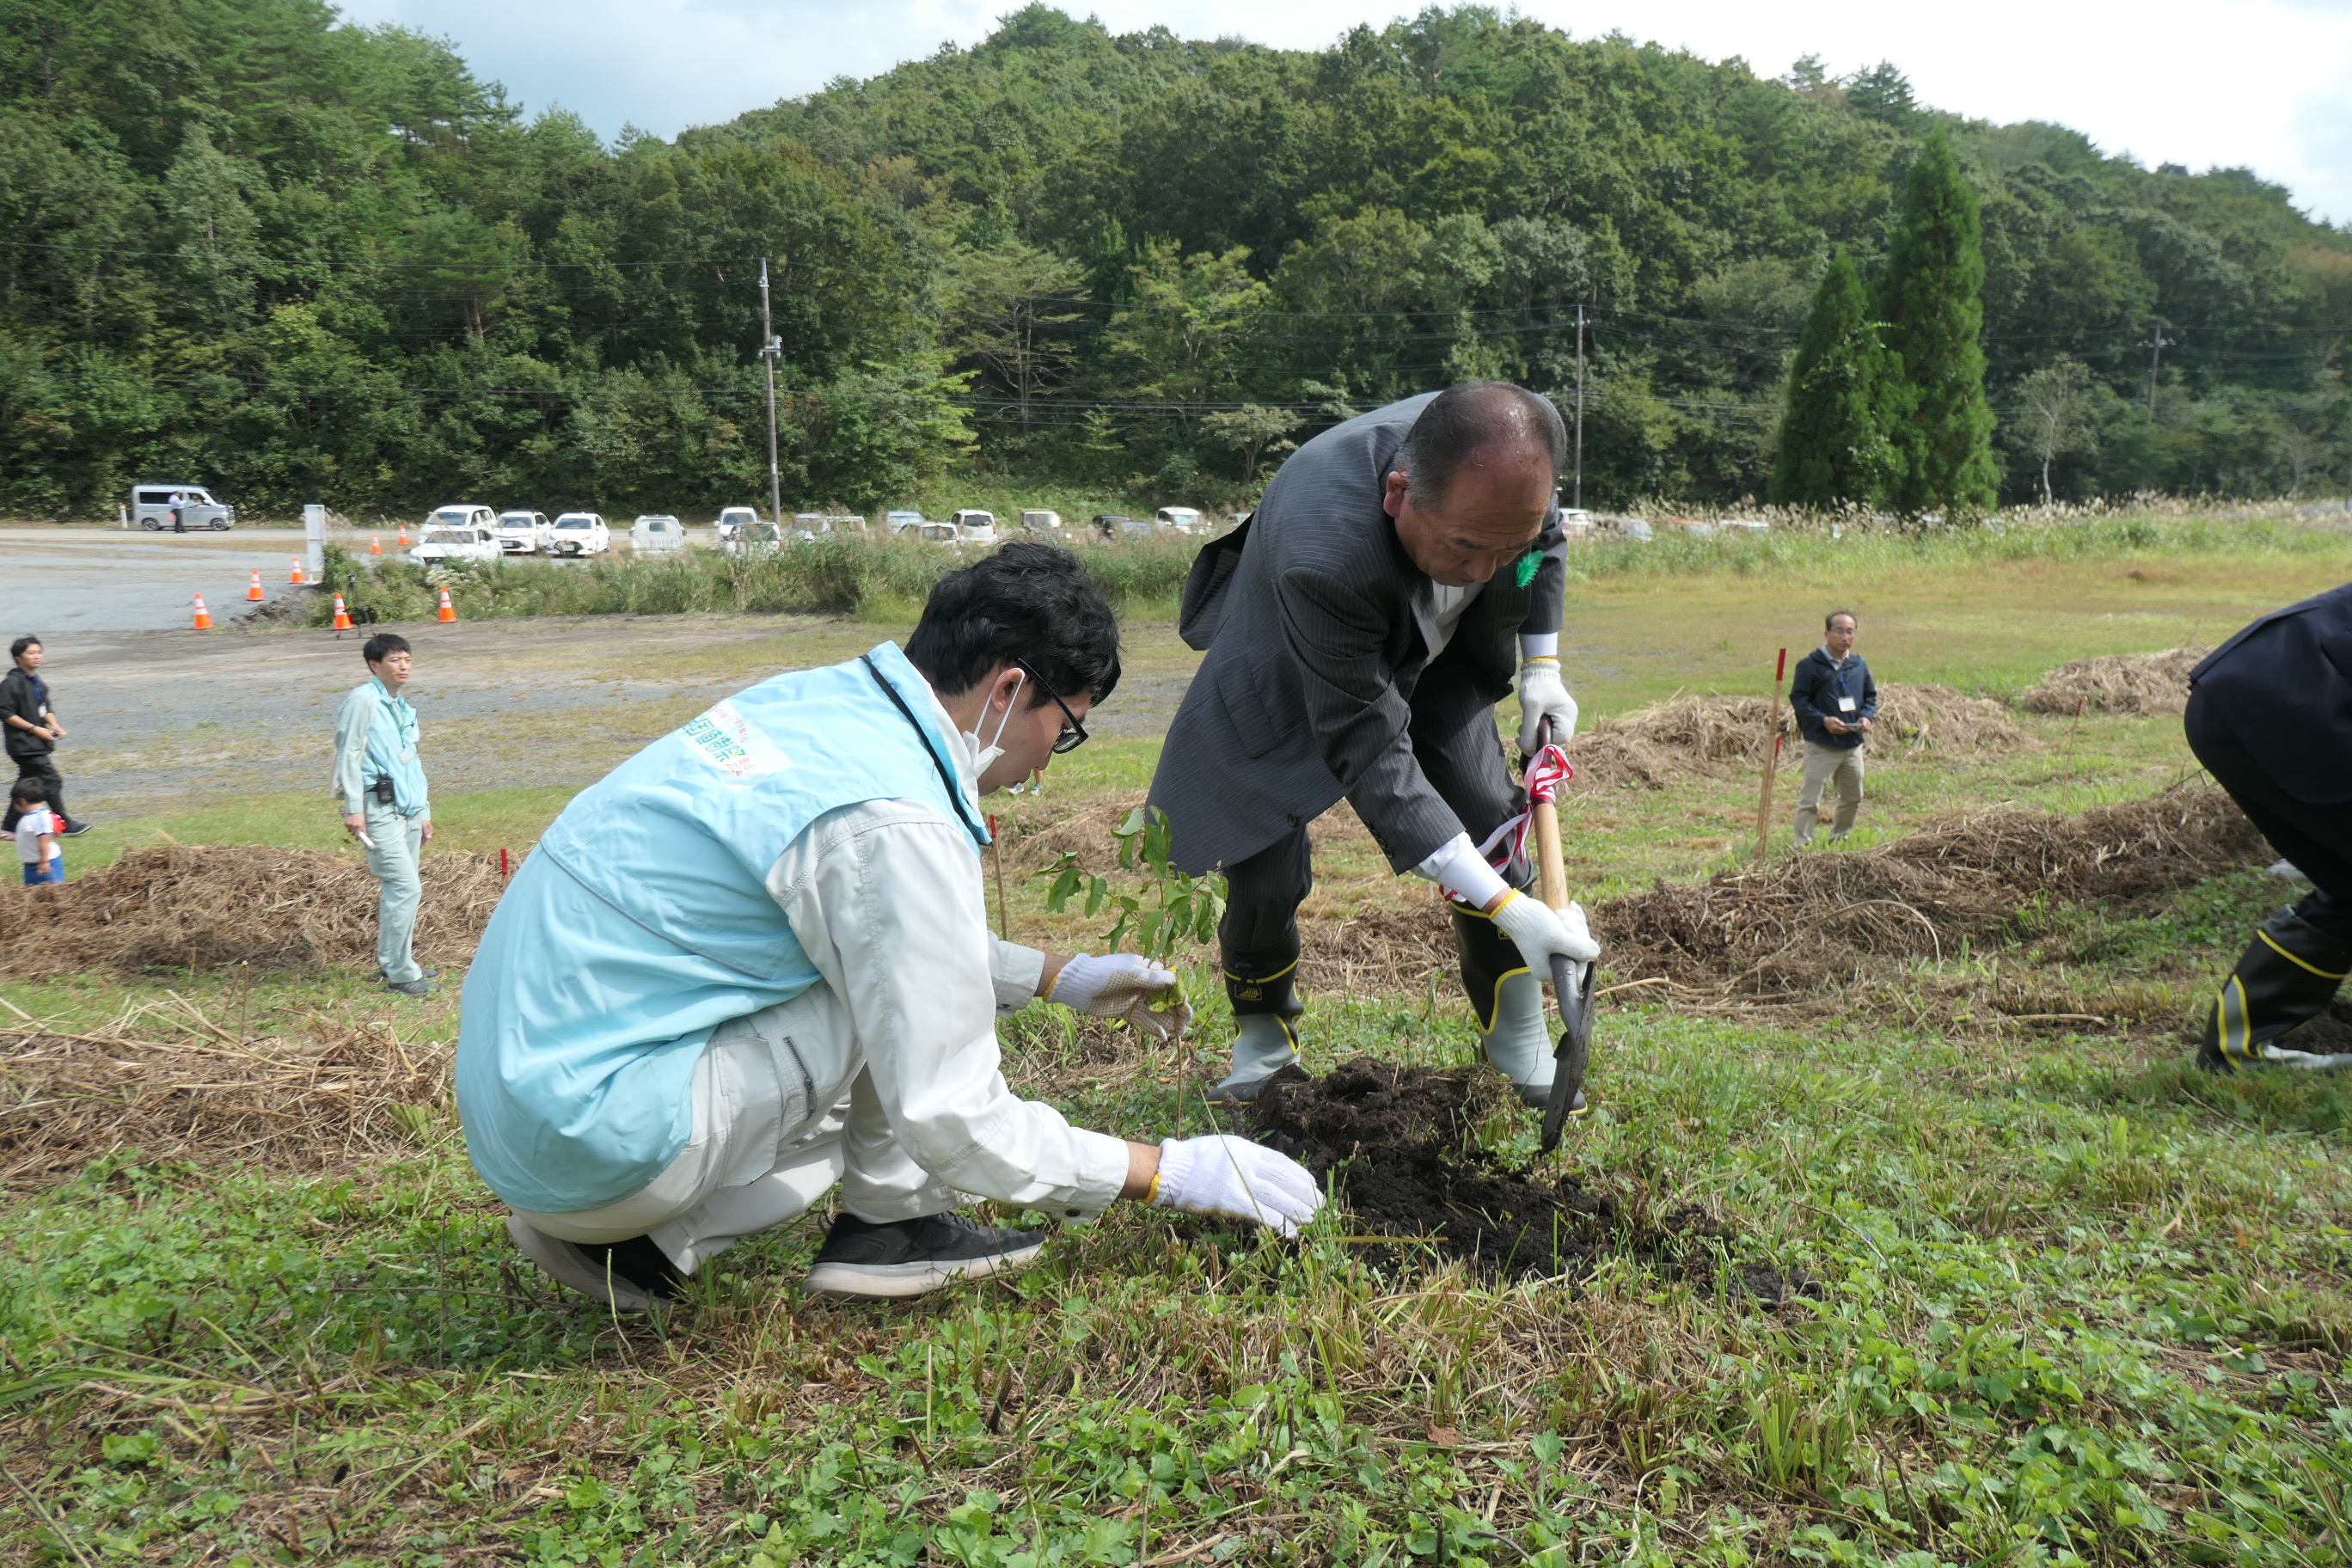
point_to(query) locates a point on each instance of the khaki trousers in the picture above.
(1823, 763)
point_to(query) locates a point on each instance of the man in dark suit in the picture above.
(1399, 571)
(2270, 715)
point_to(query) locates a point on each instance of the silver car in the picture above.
(179, 507)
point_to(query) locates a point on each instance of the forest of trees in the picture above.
(244, 244)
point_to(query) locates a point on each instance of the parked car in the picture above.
(974, 526)
(733, 518)
(752, 539)
(1182, 519)
(1633, 527)
(1040, 520)
(522, 532)
(579, 534)
(474, 538)
(938, 533)
(1745, 525)
(151, 508)
(1117, 525)
(899, 521)
(655, 533)
(1575, 521)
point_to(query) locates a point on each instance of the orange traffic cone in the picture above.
(448, 610)
(204, 616)
(343, 616)
(253, 595)
(403, 536)
(296, 578)
(375, 544)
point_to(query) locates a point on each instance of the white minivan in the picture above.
(1182, 519)
(152, 505)
(579, 534)
(522, 532)
(459, 532)
(974, 526)
(657, 532)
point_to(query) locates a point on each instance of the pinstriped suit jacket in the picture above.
(1321, 635)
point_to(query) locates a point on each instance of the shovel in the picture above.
(1571, 982)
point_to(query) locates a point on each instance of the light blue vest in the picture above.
(643, 921)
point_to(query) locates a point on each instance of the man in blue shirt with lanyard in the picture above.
(1835, 701)
(381, 782)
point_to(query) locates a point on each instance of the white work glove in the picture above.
(1538, 932)
(1225, 1175)
(1543, 695)
(1123, 985)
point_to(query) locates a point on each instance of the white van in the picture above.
(1182, 519)
(974, 526)
(1041, 521)
(732, 520)
(458, 533)
(657, 532)
(579, 534)
(152, 507)
(522, 532)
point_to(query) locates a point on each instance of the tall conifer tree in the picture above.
(1931, 302)
(1833, 441)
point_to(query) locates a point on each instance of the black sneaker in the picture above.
(911, 1257)
(422, 973)
(76, 829)
(413, 987)
(630, 1275)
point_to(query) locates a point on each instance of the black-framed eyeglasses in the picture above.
(1073, 734)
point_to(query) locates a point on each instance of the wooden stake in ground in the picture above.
(1771, 758)
(996, 854)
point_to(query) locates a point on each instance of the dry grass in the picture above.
(2138, 683)
(167, 1082)
(1805, 927)
(1654, 746)
(185, 907)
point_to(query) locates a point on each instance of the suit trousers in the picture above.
(1823, 763)
(760, 1154)
(2317, 838)
(1458, 748)
(43, 767)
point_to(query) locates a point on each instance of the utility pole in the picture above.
(1578, 502)
(2155, 345)
(772, 349)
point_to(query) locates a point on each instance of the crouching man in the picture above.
(754, 962)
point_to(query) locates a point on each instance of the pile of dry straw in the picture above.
(1653, 746)
(170, 1083)
(2144, 684)
(176, 907)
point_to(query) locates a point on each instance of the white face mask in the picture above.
(982, 756)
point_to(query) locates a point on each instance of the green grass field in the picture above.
(2058, 1297)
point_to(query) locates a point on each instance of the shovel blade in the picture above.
(1571, 982)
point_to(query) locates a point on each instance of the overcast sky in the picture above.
(2262, 83)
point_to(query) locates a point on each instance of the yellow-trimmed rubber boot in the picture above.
(2288, 974)
(1266, 1008)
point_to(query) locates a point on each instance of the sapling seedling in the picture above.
(1170, 908)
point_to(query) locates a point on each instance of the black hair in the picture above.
(16, 650)
(1028, 602)
(1462, 421)
(383, 646)
(30, 789)
(1831, 619)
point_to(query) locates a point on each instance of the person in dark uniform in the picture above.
(1400, 571)
(2270, 715)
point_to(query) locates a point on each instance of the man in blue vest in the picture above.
(753, 964)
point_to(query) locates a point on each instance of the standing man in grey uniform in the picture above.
(1361, 628)
(381, 781)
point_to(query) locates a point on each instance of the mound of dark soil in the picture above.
(1399, 1142)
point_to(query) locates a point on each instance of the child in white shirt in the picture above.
(36, 834)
